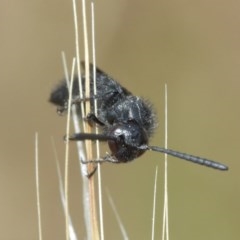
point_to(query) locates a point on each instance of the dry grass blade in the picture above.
(154, 204)
(67, 152)
(120, 223)
(37, 188)
(89, 199)
(165, 228)
(72, 233)
(96, 130)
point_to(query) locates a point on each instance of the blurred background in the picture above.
(193, 46)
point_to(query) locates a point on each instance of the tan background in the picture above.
(193, 46)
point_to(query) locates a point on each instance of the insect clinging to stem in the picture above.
(127, 121)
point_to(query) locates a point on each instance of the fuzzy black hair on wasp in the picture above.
(127, 121)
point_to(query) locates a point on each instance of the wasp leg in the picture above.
(107, 158)
(92, 118)
(90, 174)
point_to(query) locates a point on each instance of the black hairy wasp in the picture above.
(127, 121)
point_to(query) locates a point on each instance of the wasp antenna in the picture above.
(191, 158)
